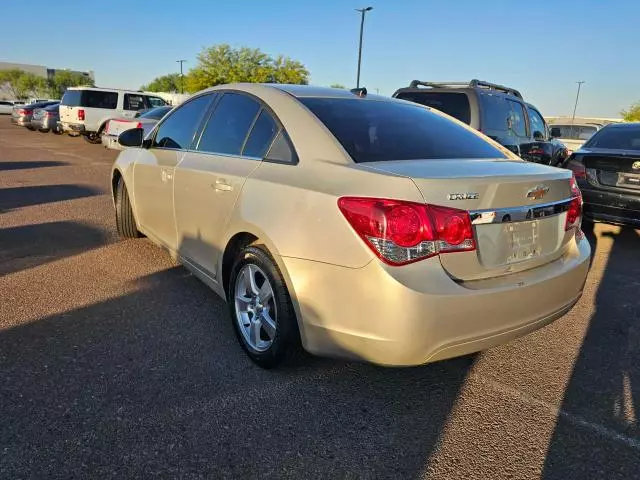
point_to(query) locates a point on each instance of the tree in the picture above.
(10, 79)
(633, 114)
(223, 64)
(164, 83)
(337, 85)
(64, 79)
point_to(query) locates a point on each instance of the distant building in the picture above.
(39, 70)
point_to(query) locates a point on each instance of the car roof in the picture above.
(624, 126)
(300, 91)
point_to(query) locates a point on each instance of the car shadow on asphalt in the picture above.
(26, 165)
(154, 383)
(28, 246)
(602, 398)
(17, 197)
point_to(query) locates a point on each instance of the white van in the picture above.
(86, 110)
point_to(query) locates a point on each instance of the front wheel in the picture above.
(125, 221)
(261, 310)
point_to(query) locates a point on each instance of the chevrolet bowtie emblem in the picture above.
(537, 192)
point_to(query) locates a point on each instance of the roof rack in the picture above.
(475, 83)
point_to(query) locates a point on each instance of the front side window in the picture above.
(373, 131)
(134, 102)
(455, 104)
(229, 124)
(179, 128)
(537, 122)
(99, 99)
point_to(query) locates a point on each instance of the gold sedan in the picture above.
(353, 225)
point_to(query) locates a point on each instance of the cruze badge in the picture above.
(635, 166)
(537, 192)
(463, 196)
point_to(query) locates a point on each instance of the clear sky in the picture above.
(540, 47)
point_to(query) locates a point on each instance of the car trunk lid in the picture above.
(518, 210)
(617, 170)
(117, 126)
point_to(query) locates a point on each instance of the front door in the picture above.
(154, 171)
(209, 181)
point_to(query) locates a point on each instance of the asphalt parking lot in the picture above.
(115, 363)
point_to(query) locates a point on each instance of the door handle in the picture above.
(165, 175)
(222, 186)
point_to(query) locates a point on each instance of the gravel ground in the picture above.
(115, 363)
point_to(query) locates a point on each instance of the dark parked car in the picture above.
(607, 169)
(497, 111)
(46, 119)
(22, 114)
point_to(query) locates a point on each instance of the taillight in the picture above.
(139, 125)
(81, 114)
(577, 167)
(574, 214)
(106, 127)
(50, 114)
(401, 232)
(22, 111)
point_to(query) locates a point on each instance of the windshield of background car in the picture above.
(455, 104)
(155, 113)
(616, 138)
(71, 98)
(376, 131)
(576, 132)
(503, 115)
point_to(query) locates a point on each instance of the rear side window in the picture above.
(372, 131)
(261, 136)
(455, 104)
(503, 115)
(229, 124)
(537, 122)
(134, 102)
(179, 128)
(616, 138)
(71, 98)
(99, 99)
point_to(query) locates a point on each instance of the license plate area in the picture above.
(523, 240)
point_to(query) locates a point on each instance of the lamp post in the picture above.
(576, 104)
(362, 11)
(181, 75)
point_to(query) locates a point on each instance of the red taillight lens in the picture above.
(574, 214)
(139, 125)
(21, 111)
(106, 127)
(577, 167)
(401, 232)
(80, 114)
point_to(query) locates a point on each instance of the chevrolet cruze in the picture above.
(353, 225)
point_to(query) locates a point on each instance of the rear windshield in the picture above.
(576, 132)
(375, 131)
(616, 138)
(155, 113)
(455, 104)
(90, 99)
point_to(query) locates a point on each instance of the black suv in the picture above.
(497, 111)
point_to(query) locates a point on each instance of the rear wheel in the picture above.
(125, 221)
(261, 310)
(93, 137)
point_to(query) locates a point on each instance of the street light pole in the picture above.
(362, 11)
(181, 75)
(577, 96)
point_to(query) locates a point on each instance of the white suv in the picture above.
(86, 110)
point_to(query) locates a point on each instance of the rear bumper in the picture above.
(417, 314)
(111, 141)
(67, 127)
(22, 121)
(611, 207)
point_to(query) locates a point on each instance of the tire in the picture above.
(125, 221)
(93, 137)
(284, 345)
(43, 130)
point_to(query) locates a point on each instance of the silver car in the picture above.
(46, 119)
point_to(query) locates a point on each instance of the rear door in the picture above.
(154, 170)
(210, 179)
(69, 106)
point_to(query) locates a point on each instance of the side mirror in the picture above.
(538, 136)
(556, 132)
(133, 137)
